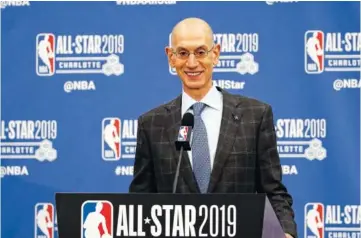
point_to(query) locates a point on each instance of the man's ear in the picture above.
(169, 53)
(216, 53)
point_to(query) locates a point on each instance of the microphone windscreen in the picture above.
(188, 120)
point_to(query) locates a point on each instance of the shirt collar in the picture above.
(212, 99)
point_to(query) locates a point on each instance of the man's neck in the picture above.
(198, 94)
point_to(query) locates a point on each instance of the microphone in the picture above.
(185, 132)
(183, 142)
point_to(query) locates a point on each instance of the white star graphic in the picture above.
(147, 220)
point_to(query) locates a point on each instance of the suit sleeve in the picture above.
(143, 172)
(269, 176)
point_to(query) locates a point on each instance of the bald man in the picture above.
(233, 141)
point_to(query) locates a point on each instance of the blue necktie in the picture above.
(200, 150)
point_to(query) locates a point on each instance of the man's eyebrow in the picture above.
(199, 47)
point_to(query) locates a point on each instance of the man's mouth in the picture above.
(194, 73)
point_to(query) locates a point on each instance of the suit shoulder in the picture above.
(255, 102)
(247, 101)
(156, 111)
(254, 110)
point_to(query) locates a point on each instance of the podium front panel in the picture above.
(160, 215)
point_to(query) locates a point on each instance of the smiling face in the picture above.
(193, 55)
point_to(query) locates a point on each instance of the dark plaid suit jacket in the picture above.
(246, 159)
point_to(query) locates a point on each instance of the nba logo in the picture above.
(183, 133)
(314, 52)
(44, 220)
(45, 56)
(97, 219)
(111, 142)
(314, 220)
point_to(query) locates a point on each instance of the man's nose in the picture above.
(192, 62)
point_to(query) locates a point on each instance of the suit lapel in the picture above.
(172, 123)
(227, 133)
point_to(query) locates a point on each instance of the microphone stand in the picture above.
(177, 171)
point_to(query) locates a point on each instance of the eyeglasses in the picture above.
(200, 53)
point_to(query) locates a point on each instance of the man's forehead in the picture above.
(191, 41)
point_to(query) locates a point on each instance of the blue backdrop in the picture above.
(73, 72)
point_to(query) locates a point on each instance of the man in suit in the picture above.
(233, 145)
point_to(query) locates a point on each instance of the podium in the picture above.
(105, 215)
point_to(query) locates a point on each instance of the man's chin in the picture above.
(195, 85)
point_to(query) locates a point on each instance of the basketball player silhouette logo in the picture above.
(314, 220)
(314, 51)
(44, 220)
(97, 219)
(45, 54)
(183, 133)
(111, 141)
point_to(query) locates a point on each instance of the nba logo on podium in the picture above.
(314, 52)
(45, 54)
(183, 133)
(314, 220)
(111, 142)
(44, 220)
(97, 219)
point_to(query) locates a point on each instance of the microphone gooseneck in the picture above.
(183, 142)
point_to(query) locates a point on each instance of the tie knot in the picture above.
(198, 108)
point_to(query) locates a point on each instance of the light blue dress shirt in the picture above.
(211, 115)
